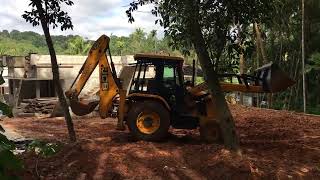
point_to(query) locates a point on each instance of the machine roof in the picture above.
(157, 56)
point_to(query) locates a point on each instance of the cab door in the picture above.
(173, 86)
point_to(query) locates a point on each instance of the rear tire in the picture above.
(149, 121)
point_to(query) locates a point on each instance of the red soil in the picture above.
(274, 144)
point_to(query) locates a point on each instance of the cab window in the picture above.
(170, 75)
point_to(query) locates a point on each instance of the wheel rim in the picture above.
(148, 122)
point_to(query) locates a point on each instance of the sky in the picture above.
(91, 18)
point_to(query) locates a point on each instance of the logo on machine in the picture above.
(104, 79)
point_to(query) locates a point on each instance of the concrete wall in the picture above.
(39, 68)
(4, 88)
(4, 69)
(15, 66)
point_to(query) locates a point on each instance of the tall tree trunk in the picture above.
(257, 61)
(297, 101)
(262, 50)
(55, 73)
(241, 68)
(241, 62)
(291, 95)
(303, 57)
(224, 115)
(260, 43)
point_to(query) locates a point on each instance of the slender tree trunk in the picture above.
(294, 65)
(241, 68)
(303, 57)
(55, 73)
(257, 62)
(241, 62)
(260, 43)
(224, 115)
(297, 94)
(262, 50)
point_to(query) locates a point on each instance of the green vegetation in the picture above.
(43, 148)
(282, 38)
(271, 32)
(21, 43)
(8, 161)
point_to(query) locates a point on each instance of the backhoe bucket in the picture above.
(272, 78)
(81, 108)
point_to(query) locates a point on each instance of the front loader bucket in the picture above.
(272, 78)
(81, 108)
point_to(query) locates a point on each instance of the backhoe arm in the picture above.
(267, 79)
(108, 86)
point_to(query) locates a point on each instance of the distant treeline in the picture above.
(21, 43)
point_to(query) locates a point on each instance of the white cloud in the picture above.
(90, 18)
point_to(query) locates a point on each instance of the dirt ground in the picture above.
(274, 144)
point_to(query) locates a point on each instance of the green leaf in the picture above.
(1, 80)
(9, 161)
(43, 148)
(6, 110)
(5, 144)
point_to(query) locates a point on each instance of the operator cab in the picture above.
(159, 75)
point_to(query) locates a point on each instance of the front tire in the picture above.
(149, 121)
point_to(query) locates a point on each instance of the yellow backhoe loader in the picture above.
(152, 95)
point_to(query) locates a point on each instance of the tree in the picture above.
(152, 41)
(205, 26)
(22, 43)
(282, 39)
(303, 58)
(78, 46)
(48, 13)
(5, 33)
(137, 39)
(120, 45)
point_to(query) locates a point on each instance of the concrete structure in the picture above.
(4, 88)
(31, 76)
